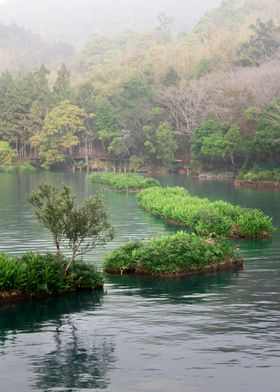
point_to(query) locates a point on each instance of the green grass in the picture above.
(203, 216)
(180, 253)
(123, 181)
(34, 274)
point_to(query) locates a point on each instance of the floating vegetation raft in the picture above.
(123, 181)
(178, 254)
(203, 216)
(260, 179)
(23, 169)
(34, 275)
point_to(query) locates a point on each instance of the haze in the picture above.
(75, 20)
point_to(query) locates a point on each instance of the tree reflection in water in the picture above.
(76, 362)
(78, 357)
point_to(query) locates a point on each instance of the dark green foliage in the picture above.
(262, 45)
(203, 140)
(204, 216)
(122, 181)
(267, 135)
(35, 274)
(175, 254)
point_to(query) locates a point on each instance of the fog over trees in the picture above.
(75, 21)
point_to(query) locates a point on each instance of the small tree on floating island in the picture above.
(81, 228)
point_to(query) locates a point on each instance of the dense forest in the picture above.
(209, 98)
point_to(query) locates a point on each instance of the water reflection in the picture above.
(68, 356)
(202, 333)
(76, 362)
(187, 289)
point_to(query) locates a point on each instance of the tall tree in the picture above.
(62, 89)
(60, 133)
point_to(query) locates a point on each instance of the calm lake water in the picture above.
(193, 334)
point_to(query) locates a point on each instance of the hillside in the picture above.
(76, 21)
(22, 50)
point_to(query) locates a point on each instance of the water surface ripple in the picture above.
(198, 334)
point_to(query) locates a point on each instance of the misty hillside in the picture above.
(235, 17)
(76, 20)
(22, 50)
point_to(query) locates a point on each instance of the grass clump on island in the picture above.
(22, 169)
(205, 217)
(35, 275)
(260, 175)
(123, 181)
(181, 253)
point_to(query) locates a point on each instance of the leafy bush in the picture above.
(175, 254)
(254, 222)
(123, 181)
(27, 169)
(35, 274)
(204, 216)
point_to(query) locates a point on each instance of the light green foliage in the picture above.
(60, 133)
(213, 146)
(233, 143)
(123, 181)
(35, 274)
(7, 154)
(254, 222)
(203, 216)
(175, 254)
(81, 228)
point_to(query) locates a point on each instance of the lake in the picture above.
(191, 334)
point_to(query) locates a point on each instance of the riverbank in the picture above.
(257, 184)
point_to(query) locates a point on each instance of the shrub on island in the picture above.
(205, 217)
(123, 181)
(81, 228)
(34, 275)
(178, 254)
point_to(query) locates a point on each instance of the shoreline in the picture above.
(257, 184)
(15, 296)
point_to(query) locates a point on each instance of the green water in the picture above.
(202, 334)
